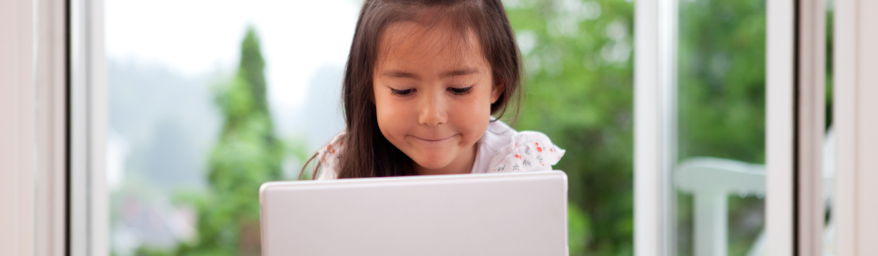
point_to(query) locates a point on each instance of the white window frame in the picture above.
(856, 126)
(795, 132)
(654, 120)
(794, 114)
(17, 149)
(89, 211)
(811, 120)
(779, 127)
(32, 102)
(51, 127)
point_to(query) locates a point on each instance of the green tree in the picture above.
(578, 89)
(247, 154)
(721, 103)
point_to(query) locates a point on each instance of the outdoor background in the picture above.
(202, 111)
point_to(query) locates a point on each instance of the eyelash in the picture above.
(460, 90)
(454, 90)
(405, 92)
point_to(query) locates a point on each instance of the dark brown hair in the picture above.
(365, 152)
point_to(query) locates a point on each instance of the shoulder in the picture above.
(511, 150)
(328, 158)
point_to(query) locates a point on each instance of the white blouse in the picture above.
(501, 149)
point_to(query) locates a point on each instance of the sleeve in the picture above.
(328, 158)
(528, 151)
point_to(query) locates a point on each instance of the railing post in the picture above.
(711, 223)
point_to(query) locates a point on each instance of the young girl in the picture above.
(422, 82)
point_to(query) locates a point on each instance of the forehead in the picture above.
(413, 45)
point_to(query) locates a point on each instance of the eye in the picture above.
(460, 90)
(403, 92)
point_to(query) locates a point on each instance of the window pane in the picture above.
(198, 121)
(829, 143)
(207, 100)
(578, 89)
(719, 175)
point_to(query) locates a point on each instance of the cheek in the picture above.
(472, 115)
(479, 105)
(390, 116)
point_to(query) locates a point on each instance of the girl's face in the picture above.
(433, 93)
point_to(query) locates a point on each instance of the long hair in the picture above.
(365, 152)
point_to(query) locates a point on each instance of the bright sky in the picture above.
(195, 37)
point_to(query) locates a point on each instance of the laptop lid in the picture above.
(523, 213)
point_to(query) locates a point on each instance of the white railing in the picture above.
(712, 180)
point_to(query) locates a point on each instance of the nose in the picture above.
(433, 111)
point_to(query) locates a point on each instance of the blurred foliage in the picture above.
(721, 79)
(721, 104)
(246, 154)
(578, 90)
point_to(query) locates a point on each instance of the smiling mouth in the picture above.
(433, 140)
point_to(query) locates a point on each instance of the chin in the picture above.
(432, 164)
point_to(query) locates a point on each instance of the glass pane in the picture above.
(191, 103)
(720, 138)
(206, 101)
(829, 140)
(578, 58)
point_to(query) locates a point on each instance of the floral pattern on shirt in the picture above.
(529, 151)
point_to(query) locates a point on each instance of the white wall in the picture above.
(17, 148)
(856, 120)
(32, 127)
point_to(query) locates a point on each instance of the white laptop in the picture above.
(523, 213)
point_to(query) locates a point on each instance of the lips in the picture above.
(433, 139)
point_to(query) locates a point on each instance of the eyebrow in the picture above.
(456, 72)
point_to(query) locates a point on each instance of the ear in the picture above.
(496, 92)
